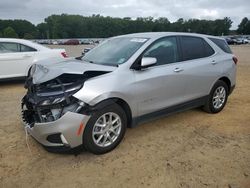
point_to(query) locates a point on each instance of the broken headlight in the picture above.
(58, 96)
(54, 91)
(53, 101)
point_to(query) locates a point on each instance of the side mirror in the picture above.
(148, 61)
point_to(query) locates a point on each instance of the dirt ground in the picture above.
(186, 150)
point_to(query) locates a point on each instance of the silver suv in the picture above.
(122, 82)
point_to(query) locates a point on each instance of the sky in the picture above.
(36, 10)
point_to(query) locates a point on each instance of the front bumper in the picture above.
(68, 130)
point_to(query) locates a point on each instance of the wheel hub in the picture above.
(106, 129)
(219, 97)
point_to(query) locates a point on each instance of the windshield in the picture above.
(114, 51)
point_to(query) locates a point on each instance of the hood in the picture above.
(45, 71)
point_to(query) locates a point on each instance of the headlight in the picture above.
(69, 90)
(58, 100)
(53, 101)
(45, 102)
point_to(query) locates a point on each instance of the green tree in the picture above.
(244, 26)
(21, 27)
(77, 26)
(9, 32)
(28, 36)
(43, 30)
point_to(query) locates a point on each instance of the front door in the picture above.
(14, 59)
(162, 85)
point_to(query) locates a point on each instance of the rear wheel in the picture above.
(105, 129)
(217, 98)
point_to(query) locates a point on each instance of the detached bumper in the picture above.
(65, 132)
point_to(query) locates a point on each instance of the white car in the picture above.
(18, 55)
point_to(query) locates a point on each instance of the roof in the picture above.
(155, 35)
(25, 42)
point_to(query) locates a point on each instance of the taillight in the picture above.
(235, 60)
(64, 54)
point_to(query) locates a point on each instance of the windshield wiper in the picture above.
(110, 64)
(107, 64)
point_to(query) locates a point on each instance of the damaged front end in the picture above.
(48, 101)
(50, 112)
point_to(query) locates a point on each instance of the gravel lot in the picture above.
(186, 150)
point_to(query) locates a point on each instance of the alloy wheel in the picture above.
(219, 97)
(106, 130)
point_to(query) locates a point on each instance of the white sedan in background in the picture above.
(18, 55)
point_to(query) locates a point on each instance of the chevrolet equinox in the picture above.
(90, 101)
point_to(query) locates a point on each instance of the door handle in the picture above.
(178, 70)
(214, 62)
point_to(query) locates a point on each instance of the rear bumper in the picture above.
(65, 133)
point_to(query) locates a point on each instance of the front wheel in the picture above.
(105, 129)
(217, 98)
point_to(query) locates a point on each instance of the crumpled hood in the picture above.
(45, 71)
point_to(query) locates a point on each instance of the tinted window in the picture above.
(195, 47)
(208, 49)
(164, 50)
(8, 47)
(25, 48)
(222, 44)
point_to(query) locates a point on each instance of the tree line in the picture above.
(97, 26)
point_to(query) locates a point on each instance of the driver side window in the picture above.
(164, 50)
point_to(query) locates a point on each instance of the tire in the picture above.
(96, 125)
(211, 106)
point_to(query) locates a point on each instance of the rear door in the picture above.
(15, 58)
(201, 67)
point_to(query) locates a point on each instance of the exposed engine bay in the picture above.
(48, 101)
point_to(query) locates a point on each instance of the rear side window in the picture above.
(222, 44)
(195, 48)
(11, 47)
(25, 48)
